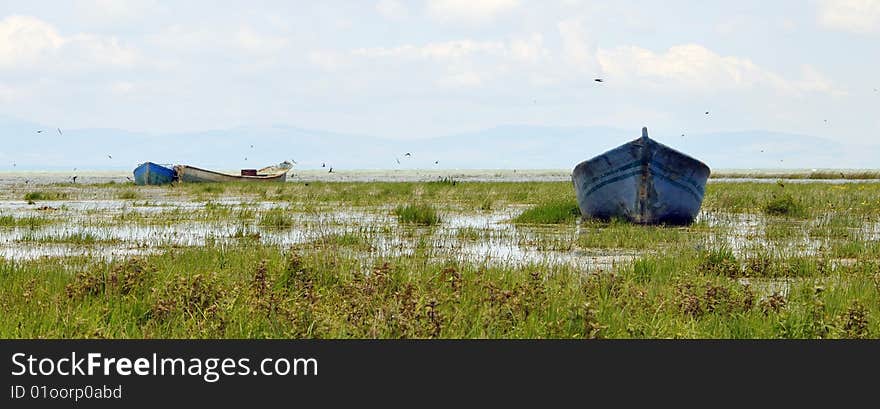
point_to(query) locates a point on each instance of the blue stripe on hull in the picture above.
(642, 181)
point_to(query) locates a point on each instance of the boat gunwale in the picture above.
(272, 176)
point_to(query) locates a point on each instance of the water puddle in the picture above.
(121, 228)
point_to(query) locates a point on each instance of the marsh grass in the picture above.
(421, 214)
(621, 234)
(78, 238)
(45, 195)
(31, 222)
(128, 195)
(784, 205)
(707, 280)
(253, 291)
(276, 218)
(557, 212)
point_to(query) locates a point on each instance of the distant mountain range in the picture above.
(502, 147)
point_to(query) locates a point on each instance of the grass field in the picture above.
(433, 260)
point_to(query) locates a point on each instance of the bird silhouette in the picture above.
(598, 80)
(40, 131)
(398, 160)
(323, 165)
(436, 162)
(707, 112)
(331, 170)
(110, 156)
(407, 154)
(245, 158)
(59, 132)
(74, 178)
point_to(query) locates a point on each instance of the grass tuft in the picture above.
(421, 214)
(44, 195)
(276, 218)
(784, 205)
(559, 212)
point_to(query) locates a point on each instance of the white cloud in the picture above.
(526, 49)
(699, 69)
(576, 47)
(326, 60)
(7, 94)
(469, 10)
(435, 51)
(24, 40)
(116, 10)
(392, 9)
(207, 40)
(122, 87)
(28, 41)
(460, 63)
(859, 16)
(251, 41)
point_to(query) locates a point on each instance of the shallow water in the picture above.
(110, 228)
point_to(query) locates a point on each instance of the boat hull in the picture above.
(149, 173)
(191, 174)
(642, 181)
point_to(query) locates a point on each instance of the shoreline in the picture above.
(42, 177)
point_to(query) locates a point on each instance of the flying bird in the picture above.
(252, 146)
(331, 170)
(707, 112)
(398, 160)
(245, 158)
(598, 80)
(110, 156)
(407, 154)
(436, 162)
(74, 178)
(323, 165)
(59, 132)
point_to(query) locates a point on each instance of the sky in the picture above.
(420, 69)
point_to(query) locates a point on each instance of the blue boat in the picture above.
(642, 181)
(149, 173)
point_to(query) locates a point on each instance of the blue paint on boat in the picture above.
(149, 173)
(642, 181)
